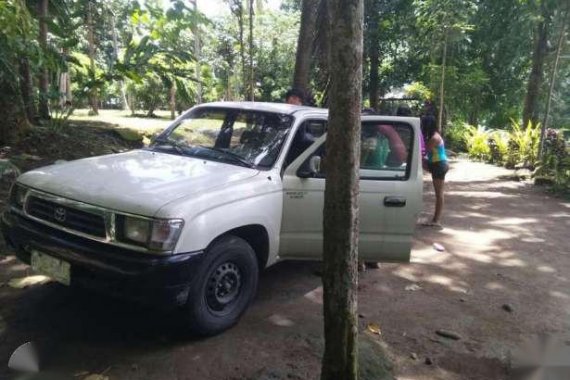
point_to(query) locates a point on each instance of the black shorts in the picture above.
(438, 169)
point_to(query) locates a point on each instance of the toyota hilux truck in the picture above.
(229, 188)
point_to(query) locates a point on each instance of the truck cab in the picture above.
(226, 190)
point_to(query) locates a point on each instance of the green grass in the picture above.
(123, 119)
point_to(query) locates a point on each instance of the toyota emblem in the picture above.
(59, 214)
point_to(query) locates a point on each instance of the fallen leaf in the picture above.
(374, 328)
(413, 287)
(24, 282)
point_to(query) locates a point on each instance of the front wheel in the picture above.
(224, 287)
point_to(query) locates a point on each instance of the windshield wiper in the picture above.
(230, 154)
(172, 144)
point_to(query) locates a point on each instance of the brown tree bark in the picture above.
(373, 14)
(27, 89)
(305, 44)
(43, 12)
(93, 97)
(340, 247)
(172, 100)
(239, 14)
(322, 50)
(530, 112)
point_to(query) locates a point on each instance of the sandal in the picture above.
(433, 225)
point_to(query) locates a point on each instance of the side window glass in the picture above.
(305, 136)
(386, 150)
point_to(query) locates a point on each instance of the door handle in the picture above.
(394, 201)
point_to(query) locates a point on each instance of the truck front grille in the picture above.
(68, 217)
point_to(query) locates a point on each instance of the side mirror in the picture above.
(312, 169)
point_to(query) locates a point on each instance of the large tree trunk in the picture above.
(27, 89)
(43, 7)
(561, 40)
(93, 98)
(340, 275)
(373, 51)
(305, 44)
(323, 44)
(530, 112)
(251, 69)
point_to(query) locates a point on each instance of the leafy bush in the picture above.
(499, 147)
(455, 137)
(418, 90)
(477, 145)
(554, 167)
(523, 145)
(149, 94)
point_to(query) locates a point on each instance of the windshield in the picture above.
(239, 137)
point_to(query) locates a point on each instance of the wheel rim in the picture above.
(224, 287)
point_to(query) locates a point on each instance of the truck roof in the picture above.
(283, 108)
(290, 109)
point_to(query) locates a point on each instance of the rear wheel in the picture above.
(224, 287)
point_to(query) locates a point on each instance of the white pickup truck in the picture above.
(226, 190)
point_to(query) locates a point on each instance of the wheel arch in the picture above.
(256, 235)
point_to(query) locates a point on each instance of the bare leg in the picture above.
(438, 185)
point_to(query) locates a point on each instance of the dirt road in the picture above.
(505, 244)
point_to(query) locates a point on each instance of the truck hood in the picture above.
(138, 182)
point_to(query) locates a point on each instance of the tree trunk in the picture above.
(340, 227)
(322, 48)
(530, 113)
(43, 7)
(124, 101)
(239, 13)
(197, 56)
(442, 84)
(561, 40)
(305, 44)
(373, 51)
(27, 89)
(251, 69)
(172, 100)
(93, 101)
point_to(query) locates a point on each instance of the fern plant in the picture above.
(523, 145)
(476, 139)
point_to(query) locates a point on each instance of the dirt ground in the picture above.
(506, 243)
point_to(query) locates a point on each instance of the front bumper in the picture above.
(151, 279)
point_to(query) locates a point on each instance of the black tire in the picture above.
(225, 286)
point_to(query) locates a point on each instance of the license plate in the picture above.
(57, 269)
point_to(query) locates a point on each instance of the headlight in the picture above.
(156, 235)
(136, 229)
(18, 195)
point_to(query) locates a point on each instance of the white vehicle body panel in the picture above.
(214, 198)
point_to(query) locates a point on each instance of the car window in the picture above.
(385, 151)
(306, 135)
(241, 137)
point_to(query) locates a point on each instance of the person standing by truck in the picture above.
(437, 165)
